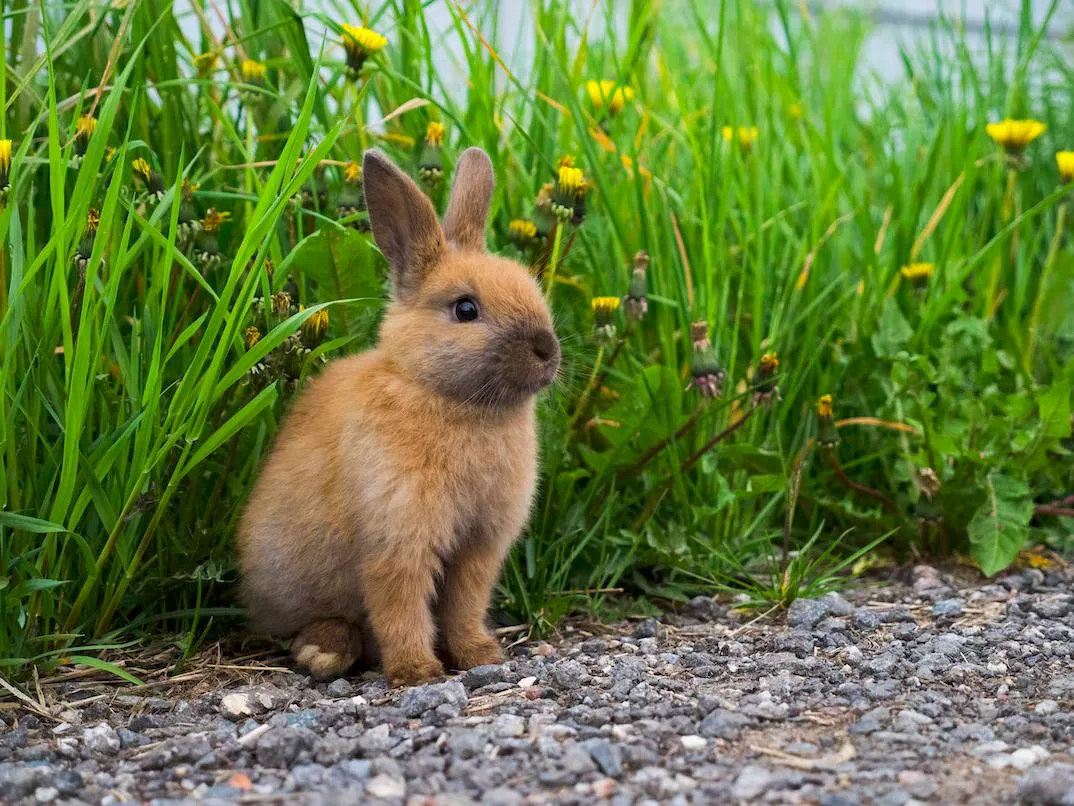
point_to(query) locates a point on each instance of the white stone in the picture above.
(694, 742)
(527, 682)
(384, 786)
(236, 705)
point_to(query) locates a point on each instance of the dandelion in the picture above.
(189, 223)
(827, 435)
(205, 63)
(746, 135)
(544, 219)
(918, 273)
(609, 95)
(85, 126)
(85, 246)
(253, 73)
(281, 303)
(765, 391)
(314, 328)
(149, 178)
(207, 248)
(928, 481)
(351, 196)
(522, 232)
(359, 44)
(604, 309)
(251, 336)
(1014, 135)
(706, 374)
(568, 194)
(5, 169)
(1064, 160)
(431, 162)
(637, 298)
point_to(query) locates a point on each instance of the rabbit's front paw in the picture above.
(410, 671)
(475, 650)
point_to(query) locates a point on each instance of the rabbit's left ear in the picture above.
(471, 194)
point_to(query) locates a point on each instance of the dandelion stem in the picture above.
(637, 466)
(583, 401)
(997, 265)
(1045, 282)
(688, 465)
(876, 495)
(554, 262)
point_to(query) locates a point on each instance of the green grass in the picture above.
(134, 410)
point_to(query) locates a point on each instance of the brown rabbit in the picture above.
(403, 474)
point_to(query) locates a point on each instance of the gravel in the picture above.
(928, 692)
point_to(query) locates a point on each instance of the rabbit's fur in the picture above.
(402, 475)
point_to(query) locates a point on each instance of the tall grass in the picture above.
(135, 408)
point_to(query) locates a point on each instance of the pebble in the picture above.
(420, 699)
(385, 786)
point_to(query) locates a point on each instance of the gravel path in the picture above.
(916, 693)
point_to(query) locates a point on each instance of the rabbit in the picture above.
(403, 474)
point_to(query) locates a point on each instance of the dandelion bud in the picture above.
(84, 129)
(359, 44)
(149, 178)
(207, 247)
(1064, 160)
(568, 194)
(189, 223)
(253, 73)
(85, 246)
(604, 309)
(827, 434)
(281, 303)
(205, 63)
(351, 197)
(431, 163)
(928, 481)
(5, 169)
(765, 391)
(918, 273)
(314, 328)
(706, 374)
(607, 95)
(744, 135)
(637, 299)
(543, 219)
(522, 233)
(251, 336)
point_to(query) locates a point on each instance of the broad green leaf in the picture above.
(344, 266)
(1000, 526)
(1055, 410)
(893, 332)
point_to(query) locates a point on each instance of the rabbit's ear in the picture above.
(471, 193)
(403, 221)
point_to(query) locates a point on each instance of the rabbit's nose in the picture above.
(545, 345)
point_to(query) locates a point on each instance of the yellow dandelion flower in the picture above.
(205, 62)
(110, 153)
(1065, 161)
(93, 219)
(604, 308)
(434, 133)
(571, 180)
(522, 229)
(1015, 135)
(746, 135)
(5, 164)
(359, 44)
(609, 94)
(141, 167)
(214, 218)
(824, 406)
(365, 38)
(251, 336)
(314, 328)
(352, 172)
(769, 363)
(189, 188)
(918, 273)
(85, 126)
(566, 161)
(252, 70)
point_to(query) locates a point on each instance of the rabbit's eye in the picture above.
(466, 309)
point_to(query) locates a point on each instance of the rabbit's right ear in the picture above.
(404, 223)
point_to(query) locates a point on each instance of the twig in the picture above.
(876, 495)
(1048, 509)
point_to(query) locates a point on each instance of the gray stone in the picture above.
(481, 676)
(421, 699)
(1051, 785)
(569, 674)
(723, 724)
(606, 755)
(101, 739)
(339, 687)
(752, 782)
(947, 608)
(280, 747)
